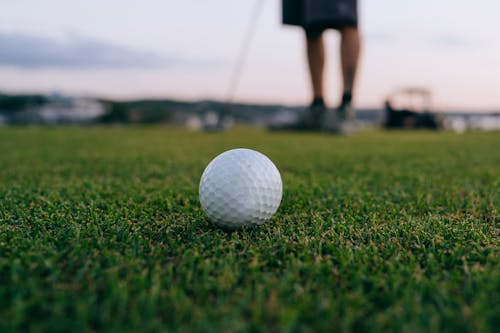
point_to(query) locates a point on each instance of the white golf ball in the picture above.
(240, 187)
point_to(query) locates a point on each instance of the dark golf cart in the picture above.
(410, 108)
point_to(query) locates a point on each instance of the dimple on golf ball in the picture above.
(240, 187)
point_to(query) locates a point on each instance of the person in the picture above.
(316, 16)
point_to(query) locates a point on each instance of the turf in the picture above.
(101, 229)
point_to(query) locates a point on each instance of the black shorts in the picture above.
(315, 16)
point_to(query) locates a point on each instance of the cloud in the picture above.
(380, 37)
(34, 52)
(451, 41)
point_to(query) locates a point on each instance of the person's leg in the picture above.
(316, 60)
(349, 54)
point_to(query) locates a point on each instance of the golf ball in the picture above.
(240, 187)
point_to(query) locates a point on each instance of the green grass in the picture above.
(101, 229)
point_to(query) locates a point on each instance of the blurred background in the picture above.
(172, 61)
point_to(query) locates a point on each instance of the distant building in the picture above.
(470, 121)
(70, 110)
(194, 122)
(54, 109)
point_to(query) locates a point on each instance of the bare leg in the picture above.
(316, 60)
(349, 56)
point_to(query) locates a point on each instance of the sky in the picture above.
(187, 50)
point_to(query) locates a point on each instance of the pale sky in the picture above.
(186, 49)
